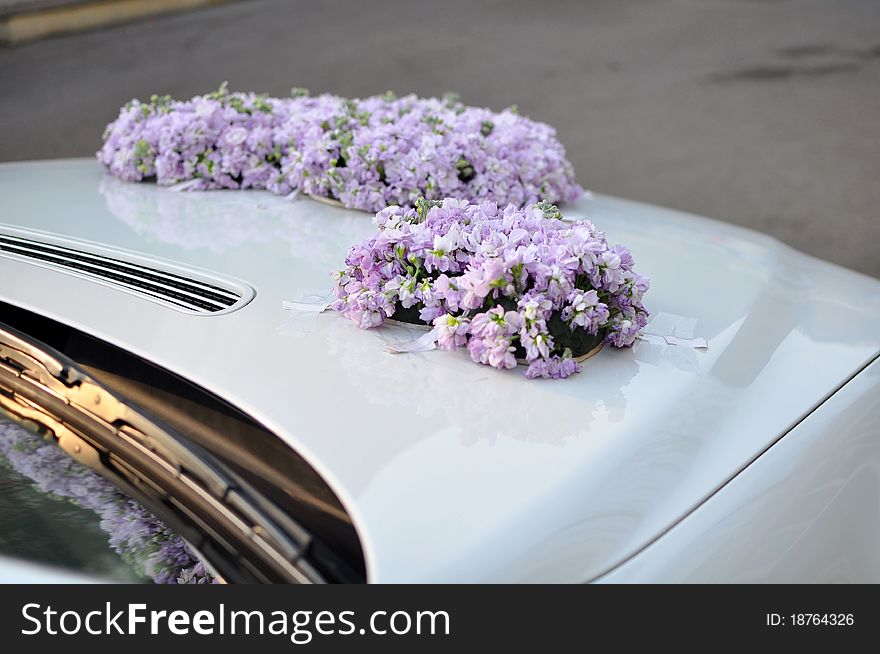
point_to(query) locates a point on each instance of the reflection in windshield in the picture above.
(145, 545)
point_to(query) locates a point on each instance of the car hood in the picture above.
(453, 471)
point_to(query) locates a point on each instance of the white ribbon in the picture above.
(670, 329)
(184, 186)
(309, 307)
(424, 343)
(696, 343)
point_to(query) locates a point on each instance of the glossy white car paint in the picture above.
(453, 471)
(807, 511)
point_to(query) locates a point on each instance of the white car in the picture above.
(146, 332)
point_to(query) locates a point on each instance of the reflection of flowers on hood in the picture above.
(508, 284)
(135, 534)
(182, 219)
(226, 221)
(367, 153)
(468, 410)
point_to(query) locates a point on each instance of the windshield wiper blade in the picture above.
(243, 535)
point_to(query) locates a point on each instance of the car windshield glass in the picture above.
(254, 509)
(58, 512)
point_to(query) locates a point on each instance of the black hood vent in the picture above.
(182, 290)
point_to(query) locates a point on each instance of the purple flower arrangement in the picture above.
(511, 285)
(365, 153)
(218, 140)
(139, 537)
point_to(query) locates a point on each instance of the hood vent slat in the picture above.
(185, 293)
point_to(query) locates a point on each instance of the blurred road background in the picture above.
(763, 113)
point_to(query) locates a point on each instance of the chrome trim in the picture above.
(149, 461)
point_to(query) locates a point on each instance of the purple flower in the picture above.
(452, 331)
(553, 368)
(368, 153)
(479, 280)
(584, 309)
(507, 284)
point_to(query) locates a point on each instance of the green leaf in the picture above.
(550, 211)
(578, 340)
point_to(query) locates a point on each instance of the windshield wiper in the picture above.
(241, 534)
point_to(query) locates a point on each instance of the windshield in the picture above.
(252, 508)
(58, 512)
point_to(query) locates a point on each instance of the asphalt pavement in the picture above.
(761, 113)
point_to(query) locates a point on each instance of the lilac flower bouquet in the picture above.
(385, 150)
(511, 285)
(219, 140)
(364, 153)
